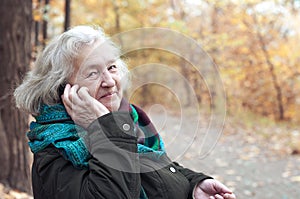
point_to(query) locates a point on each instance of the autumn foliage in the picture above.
(253, 43)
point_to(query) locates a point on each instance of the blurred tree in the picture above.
(45, 21)
(37, 16)
(252, 42)
(273, 74)
(67, 14)
(15, 50)
(256, 56)
(271, 77)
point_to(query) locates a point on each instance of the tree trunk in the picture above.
(37, 27)
(15, 50)
(275, 82)
(186, 73)
(67, 14)
(45, 22)
(117, 16)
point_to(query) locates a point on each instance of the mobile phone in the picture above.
(61, 89)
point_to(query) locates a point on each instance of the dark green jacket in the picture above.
(115, 171)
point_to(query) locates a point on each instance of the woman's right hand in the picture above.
(212, 189)
(81, 106)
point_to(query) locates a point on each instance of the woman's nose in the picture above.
(107, 79)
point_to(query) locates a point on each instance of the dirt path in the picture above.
(241, 163)
(257, 176)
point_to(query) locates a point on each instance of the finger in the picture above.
(68, 109)
(221, 188)
(229, 196)
(73, 96)
(64, 101)
(67, 90)
(98, 108)
(217, 196)
(65, 96)
(84, 94)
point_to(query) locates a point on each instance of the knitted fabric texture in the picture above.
(54, 126)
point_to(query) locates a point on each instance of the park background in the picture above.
(253, 43)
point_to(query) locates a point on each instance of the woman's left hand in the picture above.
(212, 189)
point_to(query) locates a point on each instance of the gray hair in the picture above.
(55, 65)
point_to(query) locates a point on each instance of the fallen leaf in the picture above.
(295, 179)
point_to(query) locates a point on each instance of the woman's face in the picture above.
(96, 69)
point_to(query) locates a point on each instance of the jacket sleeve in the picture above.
(193, 177)
(113, 168)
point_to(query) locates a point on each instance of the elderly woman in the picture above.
(89, 142)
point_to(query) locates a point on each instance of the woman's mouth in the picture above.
(108, 95)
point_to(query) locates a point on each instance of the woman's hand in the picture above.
(212, 189)
(81, 106)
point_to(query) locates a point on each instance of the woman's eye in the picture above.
(112, 67)
(93, 74)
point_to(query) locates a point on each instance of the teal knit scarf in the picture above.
(54, 126)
